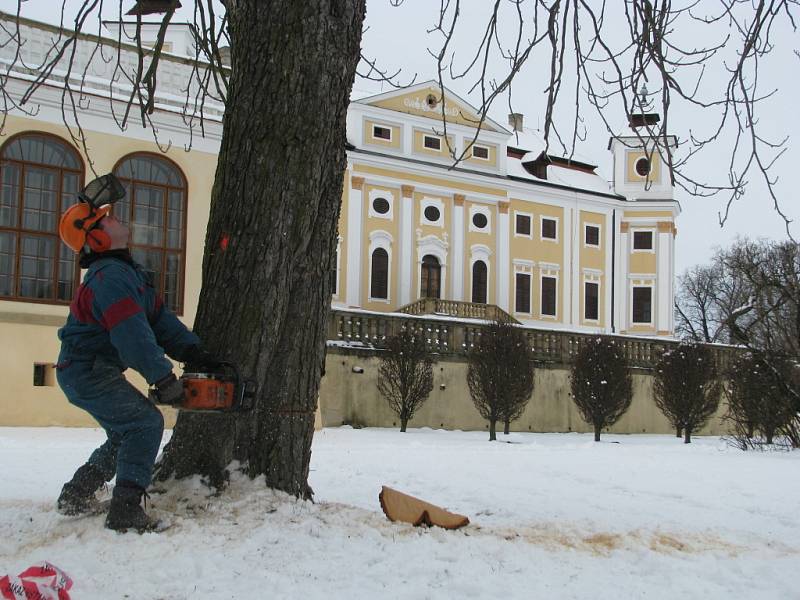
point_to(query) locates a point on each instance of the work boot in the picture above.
(77, 496)
(126, 512)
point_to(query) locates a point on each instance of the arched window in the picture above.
(431, 278)
(40, 176)
(154, 208)
(479, 281)
(379, 282)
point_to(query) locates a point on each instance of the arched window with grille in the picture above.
(40, 176)
(431, 277)
(479, 282)
(154, 208)
(379, 281)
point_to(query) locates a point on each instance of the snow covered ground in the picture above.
(552, 515)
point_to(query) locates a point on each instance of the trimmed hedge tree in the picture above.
(601, 383)
(406, 374)
(687, 389)
(500, 374)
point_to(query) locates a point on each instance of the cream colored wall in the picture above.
(414, 103)
(490, 162)
(393, 228)
(444, 148)
(32, 326)
(353, 398)
(413, 178)
(539, 251)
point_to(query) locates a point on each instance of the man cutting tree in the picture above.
(117, 321)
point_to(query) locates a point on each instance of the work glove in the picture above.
(167, 390)
(199, 360)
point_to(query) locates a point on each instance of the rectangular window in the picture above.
(642, 240)
(591, 304)
(592, 235)
(523, 293)
(642, 305)
(432, 143)
(481, 152)
(549, 229)
(523, 226)
(549, 296)
(381, 133)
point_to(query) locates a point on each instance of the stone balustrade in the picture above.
(453, 336)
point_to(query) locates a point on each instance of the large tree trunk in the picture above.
(271, 236)
(507, 427)
(597, 429)
(403, 424)
(492, 430)
(688, 438)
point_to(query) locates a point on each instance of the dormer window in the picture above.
(432, 142)
(481, 152)
(382, 133)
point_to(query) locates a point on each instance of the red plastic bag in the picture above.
(39, 582)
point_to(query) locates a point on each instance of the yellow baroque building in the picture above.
(507, 227)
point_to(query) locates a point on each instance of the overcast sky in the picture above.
(398, 38)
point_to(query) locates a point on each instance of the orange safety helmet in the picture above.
(78, 227)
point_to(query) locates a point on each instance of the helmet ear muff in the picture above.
(98, 240)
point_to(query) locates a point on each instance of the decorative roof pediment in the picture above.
(425, 100)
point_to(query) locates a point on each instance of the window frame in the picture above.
(18, 231)
(375, 127)
(652, 233)
(586, 317)
(486, 158)
(473, 281)
(523, 273)
(586, 243)
(372, 252)
(437, 139)
(179, 309)
(651, 288)
(554, 277)
(519, 213)
(542, 219)
(486, 212)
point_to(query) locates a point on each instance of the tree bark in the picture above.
(507, 427)
(492, 431)
(597, 429)
(271, 237)
(678, 432)
(688, 438)
(403, 424)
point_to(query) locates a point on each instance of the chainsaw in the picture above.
(222, 390)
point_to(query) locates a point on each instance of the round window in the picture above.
(479, 220)
(380, 206)
(432, 213)
(643, 167)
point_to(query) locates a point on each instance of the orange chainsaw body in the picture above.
(207, 393)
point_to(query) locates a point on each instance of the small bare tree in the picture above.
(500, 374)
(687, 389)
(406, 374)
(601, 383)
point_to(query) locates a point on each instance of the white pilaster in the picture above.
(664, 281)
(406, 253)
(606, 281)
(575, 273)
(457, 235)
(503, 252)
(354, 233)
(621, 294)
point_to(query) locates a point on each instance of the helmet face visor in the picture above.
(105, 190)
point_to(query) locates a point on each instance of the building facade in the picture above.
(545, 239)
